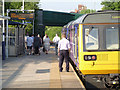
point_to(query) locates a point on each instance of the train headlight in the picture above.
(90, 57)
(114, 82)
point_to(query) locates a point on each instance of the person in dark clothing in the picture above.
(36, 44)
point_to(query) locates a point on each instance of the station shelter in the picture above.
(16, 33)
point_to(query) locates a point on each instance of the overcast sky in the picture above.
(69, 5)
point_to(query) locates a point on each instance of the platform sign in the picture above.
(22, 16)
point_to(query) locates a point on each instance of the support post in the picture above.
(33, 26)
(38, 22)
(7, 35)
(3, 41)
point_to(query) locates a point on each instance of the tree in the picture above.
(111, 5)
(52, 31)
(12, 5)
(17, 5)
(29, 28)
(87, 11)
(31, 5)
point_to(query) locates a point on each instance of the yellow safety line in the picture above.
(78, 78)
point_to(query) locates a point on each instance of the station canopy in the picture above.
(12, 23)
(54, 18)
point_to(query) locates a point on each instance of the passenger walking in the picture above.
(26, 41)
(44, 37)
(43, 42)
(63, 52)
(56, 39)
(29, 45)
(36, 44)
(40, 42)
(47, 44)
(32, 45)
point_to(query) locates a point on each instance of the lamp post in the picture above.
(23, 5)
(23, 9)
(7, 35)
(3, 40)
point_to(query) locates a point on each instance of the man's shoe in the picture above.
(60, 70)
(67, 71)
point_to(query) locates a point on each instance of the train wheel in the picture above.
(108, 86)
(118, 88)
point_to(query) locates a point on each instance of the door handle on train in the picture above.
(93, 63)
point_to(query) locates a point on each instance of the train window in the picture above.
(112, 38)
(91, 38)
(11, 39)
(73, 37)
(0, 37)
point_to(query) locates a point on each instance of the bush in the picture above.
(52, 31)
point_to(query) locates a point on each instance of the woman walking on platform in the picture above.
(47, 44)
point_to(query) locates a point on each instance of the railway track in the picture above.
(91, 82)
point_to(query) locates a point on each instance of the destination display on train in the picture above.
(22, 16)
(116, 16)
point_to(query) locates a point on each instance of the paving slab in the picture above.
(37, 71)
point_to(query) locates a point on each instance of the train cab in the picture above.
(95, 44)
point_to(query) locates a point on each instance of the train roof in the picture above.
(99, 17)
(69, 24)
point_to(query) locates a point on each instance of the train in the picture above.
(95, 46)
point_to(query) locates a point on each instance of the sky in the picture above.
(69, 5)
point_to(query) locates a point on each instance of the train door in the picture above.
(0, 41)
(73, 46)
(76, 46)
(68, 34)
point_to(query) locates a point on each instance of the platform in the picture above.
(37, 71)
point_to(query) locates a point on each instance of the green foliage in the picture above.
(12, 5)
(29, 28)
(17, 5)
(52, 31)
(87, 11)
(111, 5)
(31, 5)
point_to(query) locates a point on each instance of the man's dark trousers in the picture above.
(64, 54)
(56, 48)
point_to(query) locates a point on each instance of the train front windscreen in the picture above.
(102, 37)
